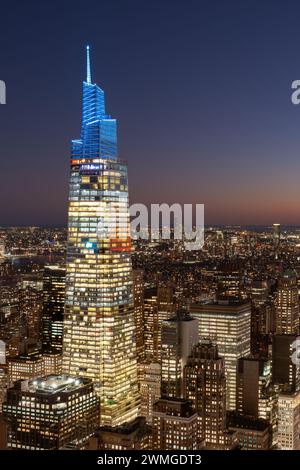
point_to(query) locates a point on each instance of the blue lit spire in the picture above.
(88, 65)
(98, 130)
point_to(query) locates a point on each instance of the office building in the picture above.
(251, 433)
(136, 435)
(256, 395)
(204, 384)
(53, 307)
(228, 324)
(138, 296)
(285, 371)
(287, 304)
(179, 334)
(99, 325)
(25, 366)
(175, 425)
(150, 387)
(288, 436)
(51, 412)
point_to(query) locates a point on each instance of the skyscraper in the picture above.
(228, 324)
(287, 304)
(175, 425)
(179, 334)
(51, 412)
(53, 307)
(255, 394)
(138, 294)
(285, 371)
(99, 330)
(204, 384)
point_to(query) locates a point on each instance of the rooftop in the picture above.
(52, 384)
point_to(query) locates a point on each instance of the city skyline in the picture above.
(217, 119)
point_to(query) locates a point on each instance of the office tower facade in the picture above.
(99, 326)
(259, 292)
(3, 386)
(178, 335)
(158, 307)
(138, 296)
(53, 307)
(255, 394)
(288, 436)
(287, 304)
(165, 302)
(251, 433)
(136, 435)
(204, 384)
(152, 332)
(25, 366)
(175, 425)
(52, 363)
(51, 412)
(30, 305)
(150, 387)
(228, 324)
(2, 248)
(285, 371)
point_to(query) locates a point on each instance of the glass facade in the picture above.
(99, 329)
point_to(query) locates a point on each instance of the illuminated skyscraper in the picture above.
(50, 413)
(205, 385)
(53, 307)
(178, 336)
(99, 330)
(138, 294)
(175, 425)
(287, 304)
(228, 324)
(256, 395)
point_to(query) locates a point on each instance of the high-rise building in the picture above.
(138, 296)
(53, 307)
(25, 366)
(150, 387)
(255, 394)
(260, 289)
(288, 436)
(136, 435)
(52, 362)
(99, 325)
(3, 386)
(158, 306)
(285, 371)
(228, 324)
(175, 425)
(30, 305)
(165, 302)
(251, 433)
(179, 334)
(287, 304)
(51, 412)
(204, 384)
(152, 331)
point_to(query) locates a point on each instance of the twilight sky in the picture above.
(201, 90)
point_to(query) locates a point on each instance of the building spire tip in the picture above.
(88, 65)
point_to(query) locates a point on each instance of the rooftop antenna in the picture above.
(88, 65)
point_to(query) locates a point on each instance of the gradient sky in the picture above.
(201, 90)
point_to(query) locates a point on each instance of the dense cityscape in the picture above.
(215, 333)
(112, 342)
(109, 345)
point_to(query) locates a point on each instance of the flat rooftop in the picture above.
(52, 384)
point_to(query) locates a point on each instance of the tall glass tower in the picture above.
(99, 331)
